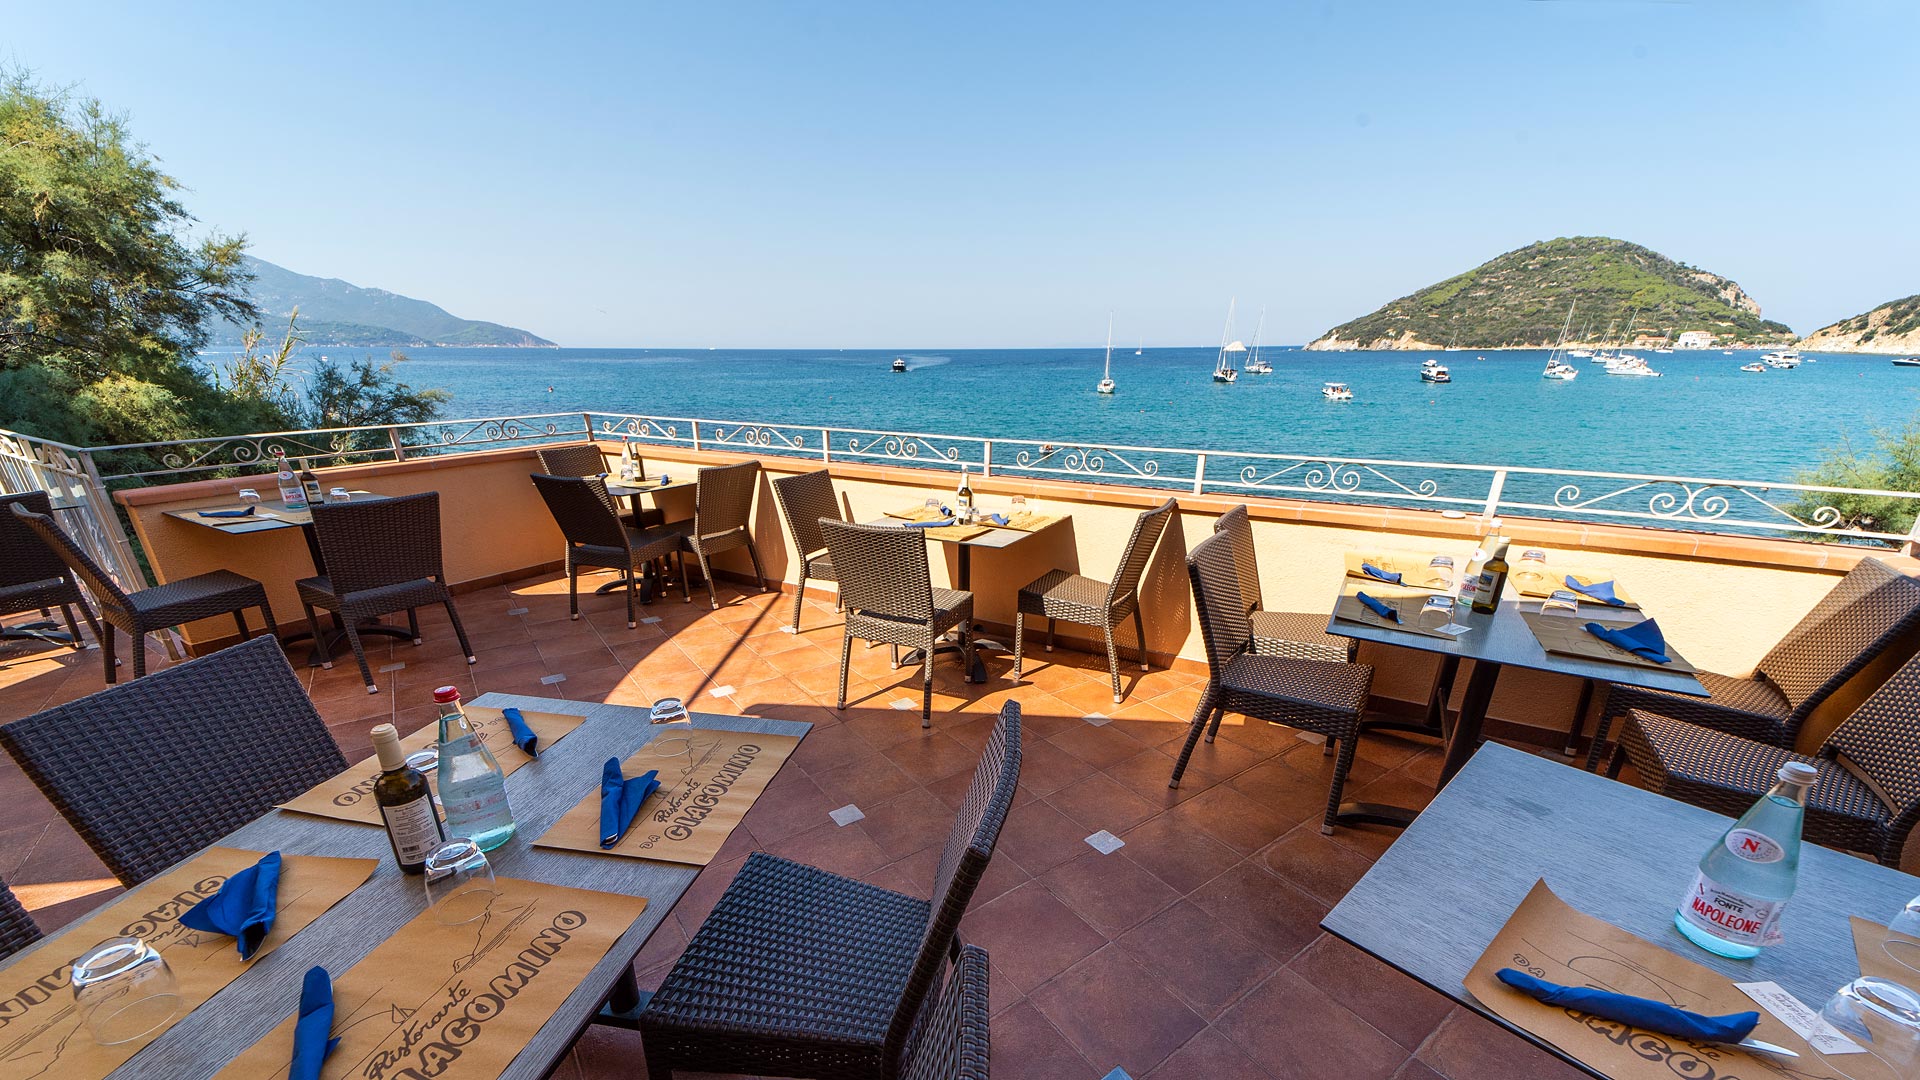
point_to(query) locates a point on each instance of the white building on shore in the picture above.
(1695, 339)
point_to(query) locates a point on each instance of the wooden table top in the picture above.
(202, 1042)
(1431, 905)
(282, 518)
(1504, 638)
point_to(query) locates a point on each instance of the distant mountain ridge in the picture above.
(1519, 300)
(336, 312)
(1893, 327)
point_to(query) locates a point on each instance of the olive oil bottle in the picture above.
(406, 803)
(1493, 581)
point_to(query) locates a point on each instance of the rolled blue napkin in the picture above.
(997, 519)
(620, 800)
(248, 512)
(1599, 590)
(243, 908)
(938, 523)
(1385, 611)
(1376, 573)
(523, 736)
(1641, 639)
(1640, 1012)
(313, 1032)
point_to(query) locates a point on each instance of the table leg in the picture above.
(1465, 737)
(369, 628)
(625, 1004)
(976, 669)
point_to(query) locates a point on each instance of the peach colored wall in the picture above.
(1722, 601)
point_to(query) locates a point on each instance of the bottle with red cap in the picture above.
(473, 789)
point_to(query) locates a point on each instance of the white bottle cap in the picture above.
(1798, 772)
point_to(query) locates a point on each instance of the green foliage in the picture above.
(1521, 298)
(1891, 464)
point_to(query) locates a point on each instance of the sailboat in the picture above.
(1223, 369)
(1106, 376)
(1140, 348)
(1557, 367)
(1255, 365)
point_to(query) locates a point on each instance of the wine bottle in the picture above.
(472, 785)
(310, 485)
(1745, 879)
(1493, 581)
(1470, 581)
(963, 496)
(406, 803)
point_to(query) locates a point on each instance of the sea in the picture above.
(1703, 417)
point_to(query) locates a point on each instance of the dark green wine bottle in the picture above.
(406, 803)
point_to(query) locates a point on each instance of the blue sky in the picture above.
(895, 175)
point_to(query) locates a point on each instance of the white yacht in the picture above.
(1434, 371)
(1106, 375)
(1582, 353)
(1754, 367)
(1336, 391)
(1224, 370)
(1783, 358)
(899, 363)
(1557, 367)
(1631, 365)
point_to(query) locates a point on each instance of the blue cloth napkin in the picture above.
(1373, 571)
(997, 519)
(1385, 611)
(248, 512)
(312, 1033)
(1641, 639)
(620, 800)
(1640, 1012)
(1599, 590)
(523, 736)
(243, 908)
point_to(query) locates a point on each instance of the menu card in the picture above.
(709, 779)
(349, 796)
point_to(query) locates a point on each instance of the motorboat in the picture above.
(1762, 367)
(1105, 385)
(1336, 391)
(1560, 371)
(1631, 365)
(1434, 371)
(1582, 353)
(1782, 358)
(1911, 361)
(899, 364)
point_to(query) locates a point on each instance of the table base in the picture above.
(41, 630)
(969, 654)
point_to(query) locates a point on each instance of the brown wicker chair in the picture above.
(804, 973)
(153, 771)
(805, 499)
(1866, 799)
(32, 577)
(596, 538)
(381, 556)
(1312, 695)
(1299, 634)
(1062, 594)
(586, 459)
(886, 587)
(221, 592)
(1854, 623)
(722, 504)
(954, 1042)
(18, 931)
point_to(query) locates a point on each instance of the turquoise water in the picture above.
(1704, 417)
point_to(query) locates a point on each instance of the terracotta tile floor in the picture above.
(1192, 951)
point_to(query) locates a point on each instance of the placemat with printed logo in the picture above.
(457, 1002)
(1567, 635)
(1420, 569)
(709, 779)
(918, 513)
(1027, 521)
(1406, 603)
(349, 796)
(955, 533)
(41, 1034)
(1530, 580)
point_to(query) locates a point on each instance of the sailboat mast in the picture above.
(1108, 372)
(1257, 327)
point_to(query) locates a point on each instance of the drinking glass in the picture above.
(248, 496)
(123, 989)
(459, 882)
(1019, 505)
(1905, 953)
(667, 710)
(1883, 1017)
(339, 495)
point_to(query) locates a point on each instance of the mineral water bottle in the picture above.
(473, 790)
(1733, 907)
(292, 495)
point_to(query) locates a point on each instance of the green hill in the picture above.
(1893, 327)
(335, 312)
(1519, 300)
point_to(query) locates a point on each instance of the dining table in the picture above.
(632, 490)
(200, 1043)
(1493, 642)
(1432, 904)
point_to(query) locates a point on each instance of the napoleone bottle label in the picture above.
(414, 828)
(1731, 915)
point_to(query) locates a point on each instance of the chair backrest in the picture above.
(723, 498)
(73, 556)
(1133, 559)
(579, 506)
(17, 928)
(1850, 626)
(804, 500)
(1224, 628)
(380, 541)
(24, 557)
(574, 459)
(883, 570)
(953, 1042)
(151, 771)
(1238, 528)
(970, 843)
(1881, 740)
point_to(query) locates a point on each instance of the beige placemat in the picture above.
(955, 532)
(1550, 940)
(1027, 521)
(917, 513)
(457, 1002)
(1567, 635)
(1414, 567)
(40, 1030)
(1885, 954)
(349, 796)
(709, 779)
(1407, 602)
(1536, 583)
